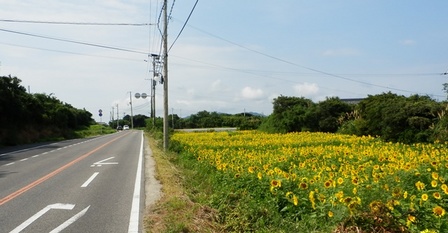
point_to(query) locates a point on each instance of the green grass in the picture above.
(175, 211)
(94, 130)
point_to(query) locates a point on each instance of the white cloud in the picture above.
(306, 89)
(217, 85)
(205, 73)
(343, 52)
(252, 93)
(407, 42)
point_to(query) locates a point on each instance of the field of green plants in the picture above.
(320, 182)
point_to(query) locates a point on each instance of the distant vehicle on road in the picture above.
(125, 127)
(119, 128)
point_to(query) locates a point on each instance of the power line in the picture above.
(263, 74)
(158, 19)
(301, 66)
(75, 42)
(160, 30)
(186, 21)
(255, 74)
(154, 35)
(171, 10)
(74, 23)
(67, 52)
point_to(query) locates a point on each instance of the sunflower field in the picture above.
(321, 182)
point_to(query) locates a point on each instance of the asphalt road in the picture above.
(85, 185)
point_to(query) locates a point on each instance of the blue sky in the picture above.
(232, 56)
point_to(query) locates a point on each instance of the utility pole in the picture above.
(165, 76)
(132, 114)
(118, 117)
(112, 114)
(155, 58)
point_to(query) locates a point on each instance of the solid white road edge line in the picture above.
(70, 221)
(135, 209)
(89, 180)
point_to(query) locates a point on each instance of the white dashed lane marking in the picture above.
(43, 153)
(88, 181)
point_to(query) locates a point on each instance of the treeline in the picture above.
(390, 116)
(27, 118)
(205, 119)
(138, 120)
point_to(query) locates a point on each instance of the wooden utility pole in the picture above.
(165, 76)
(155, 58)
(118, 117)
(132, 114)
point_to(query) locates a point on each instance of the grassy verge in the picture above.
(176, 211)
(94, 130)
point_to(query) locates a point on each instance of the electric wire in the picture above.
(126, 50)
(158, 27)
(301, 66)
(171, 10)
(159, 19)
(277, 72)
(149, 40)
(75, 42)
(186, 21)
(156, 36)
(73, 23)
(68, 52)
(260, 75)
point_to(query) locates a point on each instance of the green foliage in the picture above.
(94, 130)
(204, 119)
(294, 114)
(398, 118)
(268, 125)
(328, 112)
(392, 117)
(30, 118)
(289, 115)
(139, 121)
(155, 128)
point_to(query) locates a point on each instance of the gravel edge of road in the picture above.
(152, 185)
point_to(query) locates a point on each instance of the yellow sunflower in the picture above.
(276, 183)
(340, 180)
(355, 181)
(443, 187)
(434, 183)
(420, 185)
(435, 175)
(328, 183)
(437, 195)
(438, 211)
(303, 185)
